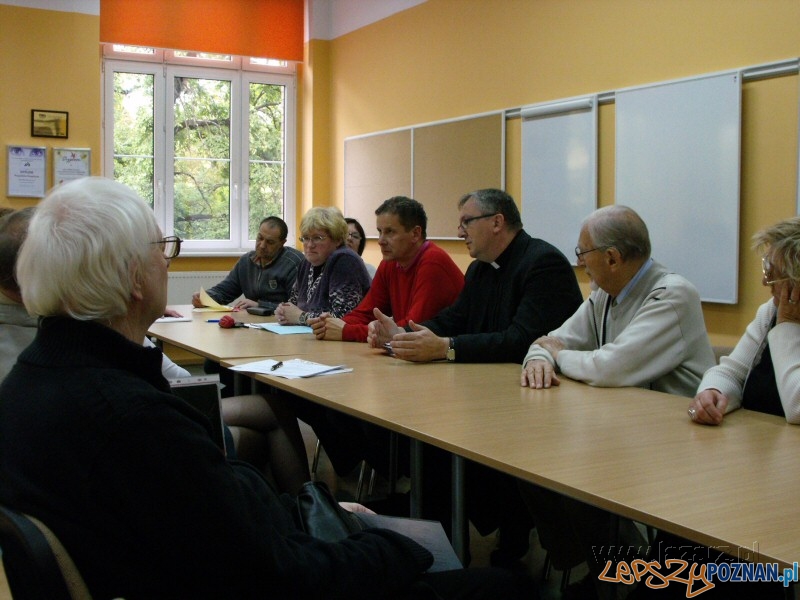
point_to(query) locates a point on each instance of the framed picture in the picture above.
(71, 163)
(26, 171)
(49, 123)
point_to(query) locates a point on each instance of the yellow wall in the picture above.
(48, 60)
(449, 58)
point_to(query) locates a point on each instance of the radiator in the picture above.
(182, 284)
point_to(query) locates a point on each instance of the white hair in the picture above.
(85, 249)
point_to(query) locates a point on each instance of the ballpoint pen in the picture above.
(276, 366)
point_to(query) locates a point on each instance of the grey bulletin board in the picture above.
(376, 167)
(435, 163)
(677, 165)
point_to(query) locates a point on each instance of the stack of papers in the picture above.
(280, 329)
(290, 369)
(211, 305)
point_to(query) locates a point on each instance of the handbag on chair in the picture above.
(319, 514)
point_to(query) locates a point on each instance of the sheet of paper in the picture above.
(280, 329)
(295, 368)
(429, 534)
(211, 305)
(173, 319)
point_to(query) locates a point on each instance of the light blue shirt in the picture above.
(629, 286)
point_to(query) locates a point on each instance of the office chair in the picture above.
(36, 564)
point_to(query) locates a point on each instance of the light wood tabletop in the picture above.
(631, 451)
(214, 342)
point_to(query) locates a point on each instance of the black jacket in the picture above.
(502, 310)
(129, 479)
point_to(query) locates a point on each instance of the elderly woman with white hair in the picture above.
(333, 278)
(94, 444)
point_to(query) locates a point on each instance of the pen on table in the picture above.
(276, 366)
(213, 321)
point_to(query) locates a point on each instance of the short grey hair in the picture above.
(492, 202)
(782, 242)
(619, 227)
(86, 248)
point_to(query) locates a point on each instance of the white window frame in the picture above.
(163, 65)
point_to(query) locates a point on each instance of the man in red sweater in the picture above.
(415, 280)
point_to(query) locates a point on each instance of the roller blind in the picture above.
(264, 28)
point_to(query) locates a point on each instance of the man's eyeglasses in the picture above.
(306, 239)
(768, 277)
(465, 222)
(170, 246)
(579, 252)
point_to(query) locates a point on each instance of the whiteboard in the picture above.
(677, 165)
(797, 189)
(559, 170)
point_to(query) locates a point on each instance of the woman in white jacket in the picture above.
(763, 371)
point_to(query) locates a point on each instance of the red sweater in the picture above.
(429, 284)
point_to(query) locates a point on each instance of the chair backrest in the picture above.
(36, 564)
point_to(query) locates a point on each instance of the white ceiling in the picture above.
(329, 19)
(89, 7)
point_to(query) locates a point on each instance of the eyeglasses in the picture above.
(316, 239)
(579, 252)
(766, 271)
(170, 246)
(353, 236)
(465, 222)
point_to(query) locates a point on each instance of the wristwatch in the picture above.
(451, 351)
(303, 318)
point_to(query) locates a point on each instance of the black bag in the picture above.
(319, 514)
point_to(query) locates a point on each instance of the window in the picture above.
(210, 148)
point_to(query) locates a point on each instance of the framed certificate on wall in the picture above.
(26, 171)
(70, 164)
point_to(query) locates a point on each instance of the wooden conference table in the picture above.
(631, 451)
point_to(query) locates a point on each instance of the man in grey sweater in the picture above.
(641, 326)
(264, 276)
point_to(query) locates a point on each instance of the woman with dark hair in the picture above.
(356, 238)
(357, 241)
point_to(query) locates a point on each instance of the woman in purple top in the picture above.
(333, 278)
